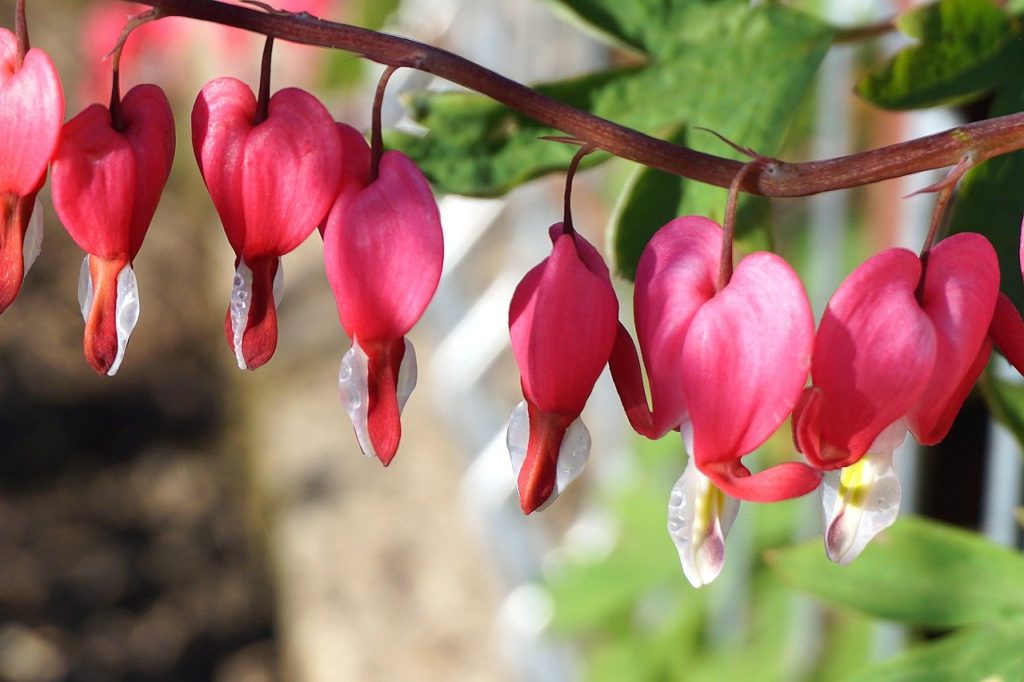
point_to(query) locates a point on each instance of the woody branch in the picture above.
(983, 139)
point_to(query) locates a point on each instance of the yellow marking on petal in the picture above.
(854, 483)
(711, 503)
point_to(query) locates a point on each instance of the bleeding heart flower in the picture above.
(726, 366)
(272, 182)
(383, 251)
(31, 113)
(562, 321)
(899, 347)
(107, 179)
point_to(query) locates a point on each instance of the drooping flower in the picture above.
(383, 252)
(31, 113)
(107, 178)
(899, 347)
(562, 321)
(272, 182)
(726, 366)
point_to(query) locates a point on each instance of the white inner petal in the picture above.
(407, 373)
(699, 518)
(241, 297)
(127, 313)
(33, 242)
(573, 453)
(353, 387)
(85, 289)
(278, 287)
(862, 500)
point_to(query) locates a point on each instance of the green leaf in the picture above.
(344, 69)
(989, 199)
(1006, 401)
(767, 54)
(651, 198)
(918, 571)
(963, 51)
(994, 651)
(654, 27)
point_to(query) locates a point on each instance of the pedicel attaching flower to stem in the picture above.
(108, 174)
(271, 166)
(31, 114)
(383, 253)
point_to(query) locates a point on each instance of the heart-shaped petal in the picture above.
(961, 284)
(746, 358)
(93, 184)
(562, 320)
(675, 276)
(873, 357)
(272, 182)
(383, 251)
(31, 114)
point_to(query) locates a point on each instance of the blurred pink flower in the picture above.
(31, 113)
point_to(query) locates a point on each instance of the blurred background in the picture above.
(189, 521)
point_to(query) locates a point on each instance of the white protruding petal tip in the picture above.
(572, 457)
(127, 316)
(241, 297)
(573, 453)
(353, 387)
(407, 374)
(85, 289)
(33, 242)
(699, 518)
(278, 287)
(859, 502)
(518, 436)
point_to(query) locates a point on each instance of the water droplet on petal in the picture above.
(699, 518)
(241, 295)
(33, 242)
